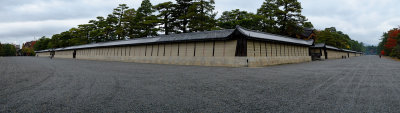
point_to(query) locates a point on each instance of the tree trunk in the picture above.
(166, 25)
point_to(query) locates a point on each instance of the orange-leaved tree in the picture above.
(392, 39)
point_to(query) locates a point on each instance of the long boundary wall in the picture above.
(262, 53)
(44, 54)
(353, 55)
(210, 53)
(63, 54)
(332, 54)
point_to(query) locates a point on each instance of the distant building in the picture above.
(308, 34)
(322, 51)
(29, 44)
(17, 47)
(27, 48)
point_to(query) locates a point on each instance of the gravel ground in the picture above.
(362, 84)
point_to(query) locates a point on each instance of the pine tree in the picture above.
(230, 19)
(110, 28)
(201, 15)
(119, 13)
(181, 15)
(289, 17)
(269, 11)
(100, 33)
(165, 16)
(131, 27)
(146, 20)
(85, 30)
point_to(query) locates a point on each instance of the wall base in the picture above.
(207, 61)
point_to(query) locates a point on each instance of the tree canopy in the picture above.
(281, 17)
(230, 19)
(390, 43)
(7, 50)
(331, 36)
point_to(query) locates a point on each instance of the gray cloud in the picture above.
(22, 20)
(363, 20)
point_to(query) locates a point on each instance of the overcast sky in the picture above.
(24, 20)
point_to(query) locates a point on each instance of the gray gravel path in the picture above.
(362, 84)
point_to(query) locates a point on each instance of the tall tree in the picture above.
(392, 39)
(230, 19)
(85, 31)
(111, 29)
(165, 14)
(181, 14)
(41, 44)
(102, 30)
(146, 20)
(382, 43)
(8, 50)
(132, 27)
(269, 11)
(289, 17)
(332, 37)
(119, 12)
(77, 37)
(201, 15)
(282, 17)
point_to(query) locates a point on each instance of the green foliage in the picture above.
(338, 39)
(181, 14)
(395, 52)
(27, 51)
(118, 17)
(382, 43)
(1, 49)
(282, 17)
(146, 20)
(274, 16)
(308, 25)
(7, 50)
(131, 24)
(390, 43)
(269, 11)
(165, 16)
(41, 44)
(201, 15)
(289, 17)
(230, 19)
(356, 46)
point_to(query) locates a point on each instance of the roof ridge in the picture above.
(239, 27)
(160, 38)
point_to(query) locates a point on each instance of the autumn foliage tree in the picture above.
(390, 45)
(392, 38)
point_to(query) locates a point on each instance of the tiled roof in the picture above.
(195, 36)
(322, 45)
